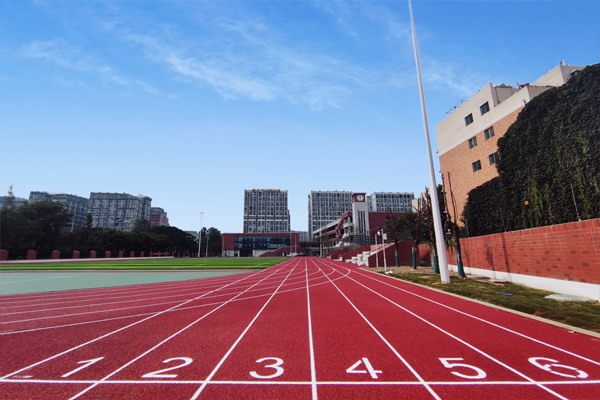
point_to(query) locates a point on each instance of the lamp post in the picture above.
(200, 234)
(207, 243)
(435, 205)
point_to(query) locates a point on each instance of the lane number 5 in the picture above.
(450, 363)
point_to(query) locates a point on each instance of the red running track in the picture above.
(305, 329)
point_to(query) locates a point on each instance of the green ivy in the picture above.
(549, 163)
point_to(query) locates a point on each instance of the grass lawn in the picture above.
(151, 264)
(516, 297)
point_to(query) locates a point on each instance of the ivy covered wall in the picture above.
(549, 163)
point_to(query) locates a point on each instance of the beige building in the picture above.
(467, 138)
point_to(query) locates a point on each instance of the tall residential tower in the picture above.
(266, 211)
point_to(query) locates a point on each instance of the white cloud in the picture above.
(67, 56)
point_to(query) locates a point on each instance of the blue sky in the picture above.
(191, 102)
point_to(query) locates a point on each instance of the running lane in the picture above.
(308, 328)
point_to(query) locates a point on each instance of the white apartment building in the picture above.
(118, 210)
(266, 211)
(392, 202)
(327, 206)
(75, 205)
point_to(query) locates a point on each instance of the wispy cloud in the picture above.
(248, 63)
(67, 56)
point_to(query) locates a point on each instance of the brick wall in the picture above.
(567, 252)
(459, 162)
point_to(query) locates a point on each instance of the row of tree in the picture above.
(44, 226)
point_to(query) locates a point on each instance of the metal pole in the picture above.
(383, 246)
(200, 234)
(376, 255)
(435, 205)
(206, 243)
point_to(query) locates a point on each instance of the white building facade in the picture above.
(118, 210)
(266, 211)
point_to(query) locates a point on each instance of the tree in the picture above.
(35, 226)
(454, 230)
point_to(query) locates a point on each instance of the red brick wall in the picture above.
(459, 162)
(567, 252)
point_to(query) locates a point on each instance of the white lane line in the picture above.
(143, 314)
(306, 383)
(168, 338)
(33, 280)
(313, 372)
(414, 372)
(463, 342)
(134, 307)
(214, 371)
(115, 331)
(482, 320)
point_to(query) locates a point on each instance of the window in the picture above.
(469, 119)
(489, 132)
(476, 166)
(484, 108)
(493, 158)
(472, 142)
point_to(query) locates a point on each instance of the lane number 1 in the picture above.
(86, 363)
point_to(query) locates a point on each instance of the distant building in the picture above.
(12, 201)
(356, 227)
(260, 244)
(158, 217)
(467, 138)
(392, 202)
(118, 210)
(266, 211)
(327, 206)
(75, 205)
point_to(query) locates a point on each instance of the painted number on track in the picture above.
(161, 373)
(552, 366)
(86, 363)
(276, 366)
(450, 363)
(369, 368)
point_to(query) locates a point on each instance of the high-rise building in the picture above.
(158, 217)
(392, 202)
(118, 210)
(327, 206)
(75, 205)
(266, 211)
(467, 138)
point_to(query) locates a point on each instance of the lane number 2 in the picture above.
(276, 366)
(161, 373)
(450, 363)
(368, 368)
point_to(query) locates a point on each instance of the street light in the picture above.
(435, 205)
(200, 234)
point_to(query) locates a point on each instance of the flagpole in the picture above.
(435, 205)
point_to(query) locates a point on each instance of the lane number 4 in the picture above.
(368, 368)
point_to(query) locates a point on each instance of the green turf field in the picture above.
(151, 264)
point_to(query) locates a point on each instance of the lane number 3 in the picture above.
(276, 366)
